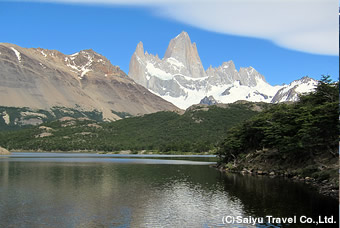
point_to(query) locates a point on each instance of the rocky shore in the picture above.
(325, 187)
(3, 151)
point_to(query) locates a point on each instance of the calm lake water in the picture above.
(91, 190)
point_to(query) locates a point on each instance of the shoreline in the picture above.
(324, 187)
(123, 152)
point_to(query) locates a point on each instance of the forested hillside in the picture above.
(299, 139)
(199, 129)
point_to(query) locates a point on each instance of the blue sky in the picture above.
(114, 31)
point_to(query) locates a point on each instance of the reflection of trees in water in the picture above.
(104, 194)
(262, 195)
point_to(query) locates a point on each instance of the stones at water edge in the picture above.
(324, 187)
(3, 151)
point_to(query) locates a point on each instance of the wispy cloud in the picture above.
(304, 25)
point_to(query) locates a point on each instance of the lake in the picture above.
(91, 190)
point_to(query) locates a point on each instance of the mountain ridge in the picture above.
(41, 79)
(179, 77)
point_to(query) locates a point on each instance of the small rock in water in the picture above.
(259, 172)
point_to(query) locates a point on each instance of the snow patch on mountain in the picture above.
(175, 63)
(17, 53)
(43, 53)
(84, 66)
(156, 72)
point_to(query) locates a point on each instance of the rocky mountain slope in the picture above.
(41, 79)
(179, 77)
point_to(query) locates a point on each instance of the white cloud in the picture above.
(305, 25)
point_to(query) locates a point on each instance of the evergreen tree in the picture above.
(307, 128)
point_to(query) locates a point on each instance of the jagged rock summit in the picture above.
(208, 100)
(42, 79)
(183, 51)
(179, 77)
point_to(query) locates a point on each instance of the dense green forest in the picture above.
(303, 136)
(199, 129)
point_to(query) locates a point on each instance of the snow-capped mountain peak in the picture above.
(183, 51)
(180, 78)
(291, 92)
